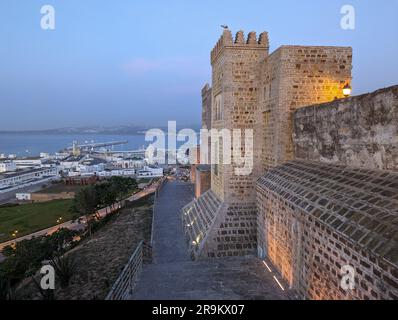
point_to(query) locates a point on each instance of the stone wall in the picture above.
(202, 180)
(252, 90)
(206, 122)
(293, 77)
(315, 218)
(361, 131)
(206, 107)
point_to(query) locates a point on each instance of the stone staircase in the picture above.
(220, 279)
(174, 276)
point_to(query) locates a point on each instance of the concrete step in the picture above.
(173, 276)
(224, 279)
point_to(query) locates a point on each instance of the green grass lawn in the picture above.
(28, 218)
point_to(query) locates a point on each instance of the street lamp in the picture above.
(347, 90)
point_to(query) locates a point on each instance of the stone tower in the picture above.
(258, 91)
(236, 79)
(223, 222)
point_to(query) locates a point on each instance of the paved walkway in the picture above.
(168, 240)
(173, 276)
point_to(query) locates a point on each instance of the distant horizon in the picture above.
(180, 126)
(108, 63)
(87, 127)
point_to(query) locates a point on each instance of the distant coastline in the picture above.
(24, 144)
(71, 131)
(116, 130)
(32, 143)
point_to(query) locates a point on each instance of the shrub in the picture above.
(4, 288)
(45, 294)
(64, 267)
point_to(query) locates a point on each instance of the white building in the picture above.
(7, 166)
(131, 163)
(28, 162)
(91, 165)
(84, 165)
(23, 196)
(117, 173)
(23, 178)
(45, 155)
(150, 172)
(71, 162)
(50, 163)
(60, 155)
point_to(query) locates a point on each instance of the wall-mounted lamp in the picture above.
(347, 90)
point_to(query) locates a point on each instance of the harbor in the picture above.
(75, 163)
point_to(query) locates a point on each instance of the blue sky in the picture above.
(145, 62)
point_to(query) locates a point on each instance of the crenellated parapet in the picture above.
(205, 89)
(240, 41)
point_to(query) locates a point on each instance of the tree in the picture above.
(60, 239)
(86, 202)
(106, 194)
(26, 257)
(123, 186)
(114, 190)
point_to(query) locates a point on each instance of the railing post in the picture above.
(127, 276)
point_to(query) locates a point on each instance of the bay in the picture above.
(28, 145)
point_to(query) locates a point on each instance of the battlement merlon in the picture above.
(251, 42)
(205, 89)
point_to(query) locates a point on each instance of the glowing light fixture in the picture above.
(280, 285)
(269, 269)
(347, 90)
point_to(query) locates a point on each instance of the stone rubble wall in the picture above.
(361, 131)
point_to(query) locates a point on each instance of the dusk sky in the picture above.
(144, 62)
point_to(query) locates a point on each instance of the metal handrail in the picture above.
(125, 283)
(127, 279)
